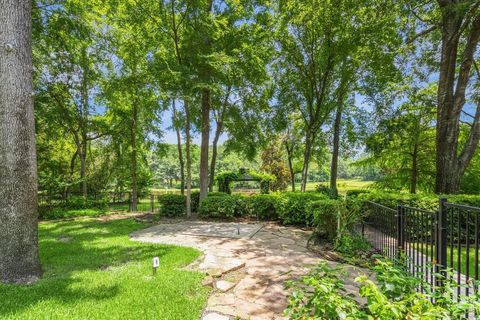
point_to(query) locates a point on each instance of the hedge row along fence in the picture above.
(311, 209)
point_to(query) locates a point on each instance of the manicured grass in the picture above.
(426, 249)
(342, 184)
(93, 271)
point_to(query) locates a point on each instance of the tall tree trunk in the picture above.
(179, 147)
(306, 159)
(83, 164)
(70, 176)
(204, 143)
(19, 261)
(414, 170)
(188, 158)
(84, 122)
(213, 161)
(290, 164)
(133, 142)
(451, 162)
(336, 147)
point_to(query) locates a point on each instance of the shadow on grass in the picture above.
(69, 251)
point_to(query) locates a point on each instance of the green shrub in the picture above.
(263, 206)
(172, 205)
(195, 201)
(422, 201)
(224, 207)
(60, 213)
(352, 245)
(323, 215)
(74, 207)
(291, 207)
(353, 193)
(329, 192)
(322, 295)
(218, 194)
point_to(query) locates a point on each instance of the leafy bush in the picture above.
(195, 200)
(329, 192)
(172, 205)
(224, 207)
(291, 207)
(323, 214)
(263, 206)
(352, 245)
(61, 213)
(422, 201)
(353, 193)
(217, 194)
(74, 207)
(321, 295)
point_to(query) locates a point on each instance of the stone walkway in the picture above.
(246, 264)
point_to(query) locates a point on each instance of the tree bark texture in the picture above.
(133, 142)
(289, 149)
(414, 170)
(455, 72)
(309, 140)
(179, 147)
(336, 147)
(19, 260)
(204, 143)
(188, 158)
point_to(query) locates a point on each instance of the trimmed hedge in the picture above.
(291, 207)
(323, 214)
(74, 207)
(422, 201)
(223, 207)
(172, 205)
(353, 193)
(263, 206)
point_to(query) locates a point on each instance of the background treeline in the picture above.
(304, 90)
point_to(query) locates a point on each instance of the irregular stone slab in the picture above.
(208, 281)
(258, 263)
(224, 286)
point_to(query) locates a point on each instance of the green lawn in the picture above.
(342, 184)
(93, 271)
(463, 258)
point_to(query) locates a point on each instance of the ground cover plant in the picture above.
(93, 271)
(322, 295)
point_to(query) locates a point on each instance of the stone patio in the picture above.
(246, 264)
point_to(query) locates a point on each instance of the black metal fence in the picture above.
(429, 243)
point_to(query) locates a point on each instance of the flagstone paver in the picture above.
(255, 264)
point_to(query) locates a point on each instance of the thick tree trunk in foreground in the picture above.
(204, 143)
(452, 159)
(179, 147)
(336, 148)
(188, 158)
(19, 261)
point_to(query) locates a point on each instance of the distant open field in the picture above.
(343, 186)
